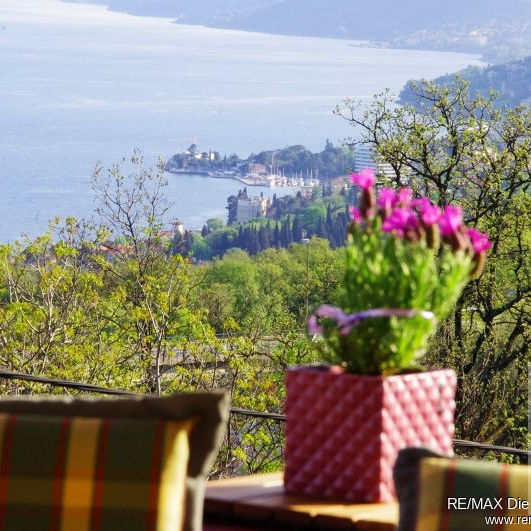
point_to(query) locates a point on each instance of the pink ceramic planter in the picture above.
(343, 431)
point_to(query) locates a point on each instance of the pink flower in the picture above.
(400, 221)
(430, 214)
(404, 196)
(387, 198)
(480, 240)
(364, 179)
(421, 203)
(450, 220)
(355, 214)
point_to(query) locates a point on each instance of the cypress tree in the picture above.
(232, 208)
(263, 237)
(276, 236)
(285, 233)
(254, 243)
(329, 222)
(321, 228)
(246, 244)
(297, 229)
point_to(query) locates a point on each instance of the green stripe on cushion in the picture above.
(129, 520)
(31, 472)
(129, 442)
(59, 475)
(26, 518)
(127, 487)
(34, 446)
(474, 481)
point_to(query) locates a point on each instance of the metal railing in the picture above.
(523, 455)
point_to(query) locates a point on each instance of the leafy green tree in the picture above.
(457, 148)
(200, 248)
(311, 216)
(151, 288)
(214, 224)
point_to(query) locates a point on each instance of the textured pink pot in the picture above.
(343, 431)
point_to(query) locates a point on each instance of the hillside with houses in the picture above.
(498, 31)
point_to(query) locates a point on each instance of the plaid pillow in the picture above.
(75, 473)
(458, 495)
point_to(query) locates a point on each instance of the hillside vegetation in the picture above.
(110, 302)
(512, 80)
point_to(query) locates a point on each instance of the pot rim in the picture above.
(340, 371)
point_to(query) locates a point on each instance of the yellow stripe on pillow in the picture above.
(519, 492)
(79, 474)
(176, 451)
(432, 483)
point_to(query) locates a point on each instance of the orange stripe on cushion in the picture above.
(79, 474)
(8, 426)
(502, 493)
(448, 490)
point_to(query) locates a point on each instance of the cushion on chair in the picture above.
(196, 420)
(405, 475)
(441, 493)
(74, 473)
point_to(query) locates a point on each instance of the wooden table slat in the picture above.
(262, 498)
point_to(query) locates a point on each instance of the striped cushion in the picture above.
(74, 473)
(458, 495)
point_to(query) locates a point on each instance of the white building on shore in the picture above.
(367, 158)
(251, 207)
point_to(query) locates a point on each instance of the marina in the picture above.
(272, 180)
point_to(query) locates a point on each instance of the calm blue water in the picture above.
(80, 85)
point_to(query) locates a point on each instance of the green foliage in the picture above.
(312, 215)
(296, 160)
(384, 271)
(200, 248)
(108, 305)
(214, 224)
(294, 218)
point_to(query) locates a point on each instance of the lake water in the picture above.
(80, 85)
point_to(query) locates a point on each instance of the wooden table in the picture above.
(258, 502)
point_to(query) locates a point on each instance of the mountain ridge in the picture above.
(499, 30)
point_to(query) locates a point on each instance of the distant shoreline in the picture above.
(350, 40)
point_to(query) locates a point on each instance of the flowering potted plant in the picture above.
(407, 262)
